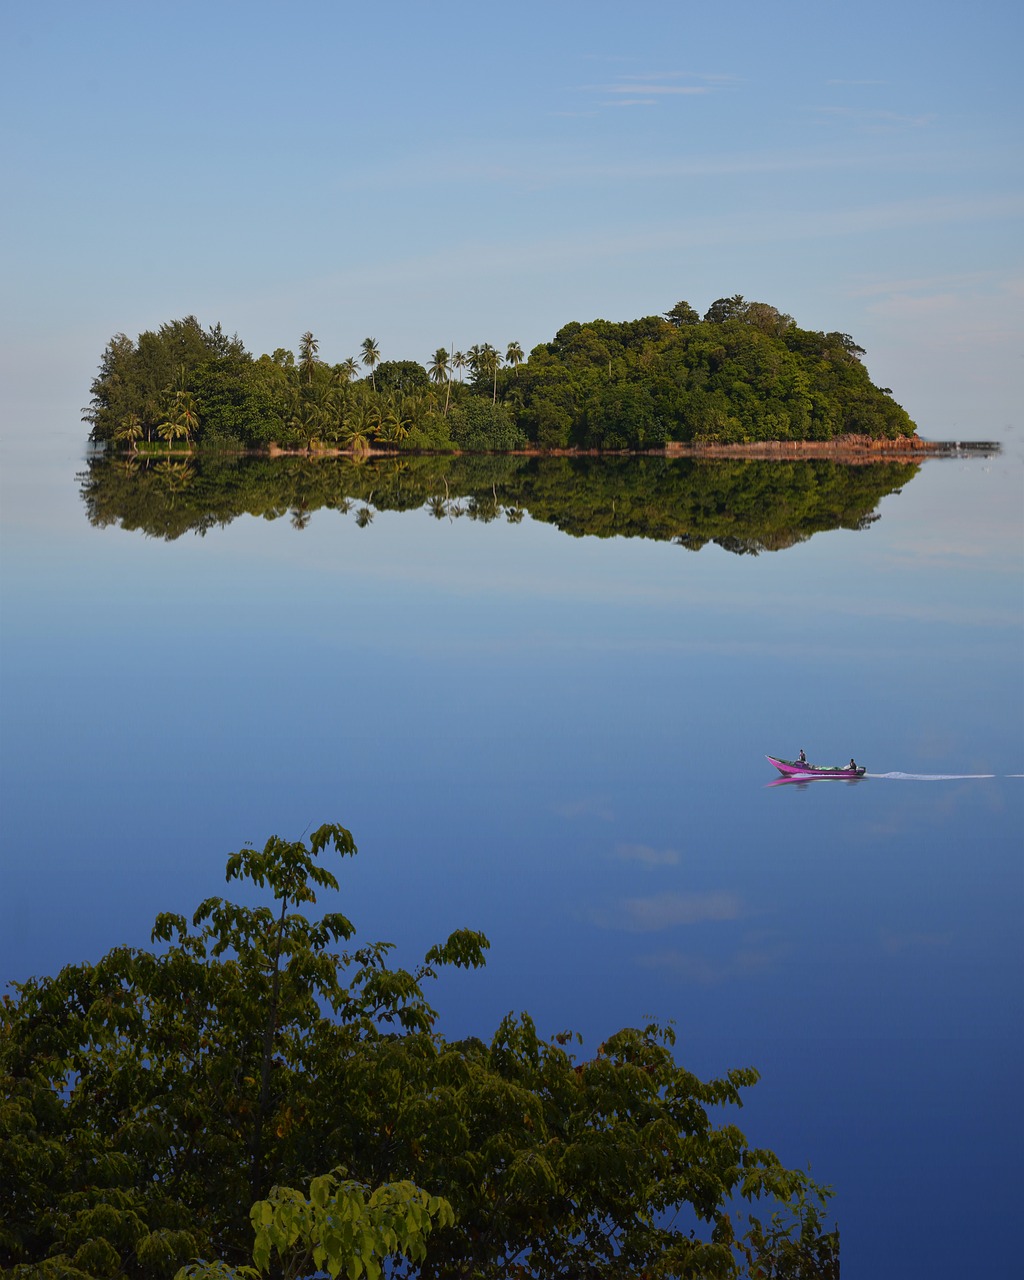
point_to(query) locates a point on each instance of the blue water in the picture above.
(561, 741)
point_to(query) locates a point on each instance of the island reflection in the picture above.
(744, 506)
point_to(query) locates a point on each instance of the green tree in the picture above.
(129, 431)
(404, 377)
(371, 357)
(343, 1226)
(723, 309)
(441, 371)
(682, 313)
(149, 1100)
(486, 363)
(308, 348)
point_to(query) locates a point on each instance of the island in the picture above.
(745, 374)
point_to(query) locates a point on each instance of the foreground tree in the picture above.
(343, 1227)
(149, 1100)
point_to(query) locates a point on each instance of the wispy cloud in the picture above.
(706, 972)
(658, 89)
(874, 118)
(648, 856)
(743, 228)
(668, 911)
(957, 281)
(894, 943)
(646, 89)
(588, 807)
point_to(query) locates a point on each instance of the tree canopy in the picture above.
(158, 1105)
(745, 372)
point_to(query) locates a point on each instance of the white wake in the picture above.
(929, 777)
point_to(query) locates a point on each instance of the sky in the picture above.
(447, 173)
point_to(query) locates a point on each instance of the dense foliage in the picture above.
(147, 1101)
(745, 372)
(745, 506)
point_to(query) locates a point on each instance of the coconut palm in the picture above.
(392, 427)
(439, 367)
(169, 430)
(308, 347)
(356, 430)
(489, 361)
(186, 413)
(371, 358)
(459, 361)
(348, 368)
(441, 371)
(514, 356)
(130, 431)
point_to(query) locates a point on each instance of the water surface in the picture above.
(559, 737)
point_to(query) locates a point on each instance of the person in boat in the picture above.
(853, 764)
(802, 758)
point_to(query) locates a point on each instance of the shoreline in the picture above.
(850, 449)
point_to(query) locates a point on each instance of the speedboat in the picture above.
(802, 769)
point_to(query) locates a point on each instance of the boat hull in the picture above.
(798, 769)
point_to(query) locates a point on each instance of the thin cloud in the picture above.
(895, 943)
(645, 89)
(658, 88)
(669, 911)
(875, 118)
(586, 808)
(648, 856)
(929, 284)
(702, 971)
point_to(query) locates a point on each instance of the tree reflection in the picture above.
(746, 507)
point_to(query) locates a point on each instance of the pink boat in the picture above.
(801, 769)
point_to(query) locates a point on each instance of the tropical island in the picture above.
(744, 374)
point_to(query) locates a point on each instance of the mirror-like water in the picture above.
(561, 740)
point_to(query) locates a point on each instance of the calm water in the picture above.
(560, 740)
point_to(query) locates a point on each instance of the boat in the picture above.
(802, 769)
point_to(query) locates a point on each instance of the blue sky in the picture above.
(446, 172)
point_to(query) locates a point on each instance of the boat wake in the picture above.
(929, 777)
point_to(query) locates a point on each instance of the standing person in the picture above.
(803, 758)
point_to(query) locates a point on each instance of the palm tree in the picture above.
(170, 430)
(489, 361)
(441, 371)
(392, 427)
(439, 368)
(308, 347)
(349, 368)
(356, 430)
(185, 411)
(371, 358)
(130, 430)
(514, 355)
(459, 362)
